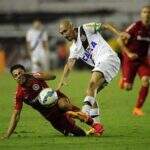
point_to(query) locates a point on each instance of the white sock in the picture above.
(89, 101)
(94, 113)
(86, 109)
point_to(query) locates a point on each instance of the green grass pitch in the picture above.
(122, 130)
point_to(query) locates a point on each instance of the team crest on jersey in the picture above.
(35, 87)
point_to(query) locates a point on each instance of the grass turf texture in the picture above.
(122, 130)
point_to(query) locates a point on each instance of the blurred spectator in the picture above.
(62, 50)
(24, 58)
(37, 43)
(2, 60)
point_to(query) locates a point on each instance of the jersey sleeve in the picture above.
(28, 36)
(93, 27)
(131, 29)
(18, 101)
(73, 52)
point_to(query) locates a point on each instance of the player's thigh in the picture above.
(129, 70)
(65, 105)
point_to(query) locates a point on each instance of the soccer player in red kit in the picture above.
(61, 115)
(135, 44)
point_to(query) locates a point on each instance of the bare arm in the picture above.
(13, 123)
(123, 40)
(110, 28)
(68, 67)
(45, 76)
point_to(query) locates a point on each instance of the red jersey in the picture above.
(28, 93)
(139, 39)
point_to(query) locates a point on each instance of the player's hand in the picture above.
(124, 36)
(132, 56)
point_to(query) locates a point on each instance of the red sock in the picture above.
(142, 96)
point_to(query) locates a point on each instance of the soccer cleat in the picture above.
(97, 129)
(137, 112)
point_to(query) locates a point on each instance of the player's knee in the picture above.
(63, 106)
(127, 86)
(145, 81)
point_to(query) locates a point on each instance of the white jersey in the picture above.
(98, 53)
(39, 54)
(98, 48)
(33, 35)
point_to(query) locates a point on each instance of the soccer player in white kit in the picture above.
(89, 46)
(37, 43)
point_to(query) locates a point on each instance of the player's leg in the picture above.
(65, 105)
(90, 104)
(97, 80)
(73, 111)
(103, 73)
(144, 73)
(129, 70)
(63, 123)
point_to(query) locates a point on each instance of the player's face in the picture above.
(37, 25)
(18, 75)
(145, 15)
(67, 32)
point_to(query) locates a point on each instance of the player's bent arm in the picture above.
(68, 67)
(13, 123)
(110, 28)
(45, 76)
(122, 41)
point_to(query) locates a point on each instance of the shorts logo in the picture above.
(35, 87)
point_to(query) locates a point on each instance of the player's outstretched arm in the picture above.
(123, 40)
(68, 67)
(110, 28)
(45, 76)
(13, 123)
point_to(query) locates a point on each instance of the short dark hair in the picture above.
(14, 67)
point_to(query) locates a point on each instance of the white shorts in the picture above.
(108, 66)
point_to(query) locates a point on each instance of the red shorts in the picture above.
(131, 68)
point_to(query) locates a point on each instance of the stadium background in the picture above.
(123, 131)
